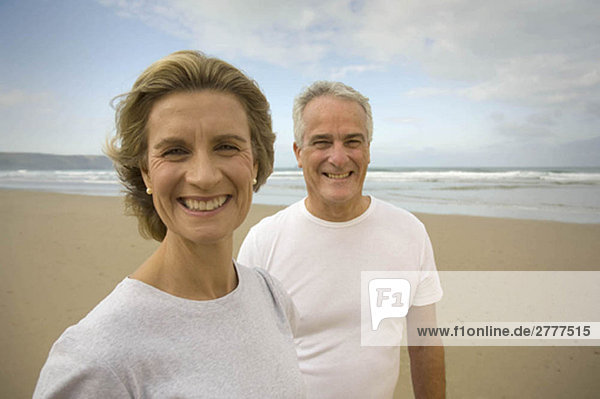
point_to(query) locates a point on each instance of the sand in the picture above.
(61, 254)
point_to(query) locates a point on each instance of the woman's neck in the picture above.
(189, 270)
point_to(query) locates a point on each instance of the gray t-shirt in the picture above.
(141, 342)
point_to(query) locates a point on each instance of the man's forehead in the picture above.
(328, 101)
(316, 135)
(327, 114)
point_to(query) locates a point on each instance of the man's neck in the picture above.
(342, 212)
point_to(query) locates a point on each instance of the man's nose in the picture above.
(338, 155)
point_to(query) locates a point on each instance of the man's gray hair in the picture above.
(327, 88)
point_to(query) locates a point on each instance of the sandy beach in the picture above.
(61, 254)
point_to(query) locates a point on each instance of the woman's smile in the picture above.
(204, 205)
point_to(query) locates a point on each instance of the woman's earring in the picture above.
(254, 181)
(149, 191)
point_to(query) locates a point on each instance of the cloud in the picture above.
(341, 73)
(525, 131)
(577, 153)
(540, 80)
(430, 92)
(17, 97)
(537, 126)
(536, 64)
(406, 120)
(280, 33)
(517, 51)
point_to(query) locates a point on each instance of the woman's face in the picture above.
(200, 164)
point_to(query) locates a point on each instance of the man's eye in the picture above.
(353, 143)
(321, 143)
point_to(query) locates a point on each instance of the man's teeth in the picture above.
(195, 205)
(341, 176)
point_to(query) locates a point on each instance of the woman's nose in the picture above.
(202, 171)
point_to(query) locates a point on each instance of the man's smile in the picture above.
(337, 175)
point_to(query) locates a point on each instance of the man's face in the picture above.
(335, 153)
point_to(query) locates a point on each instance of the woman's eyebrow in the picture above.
(168, 141)
(176, 141)
(231, 136)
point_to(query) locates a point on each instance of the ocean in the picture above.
(560, 194)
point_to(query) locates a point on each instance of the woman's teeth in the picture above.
(196, 205)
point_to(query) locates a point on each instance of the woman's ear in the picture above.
(147, 180)
(255, 170)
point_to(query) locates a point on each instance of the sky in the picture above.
(471, 83)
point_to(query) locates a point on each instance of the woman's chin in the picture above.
(205, 235)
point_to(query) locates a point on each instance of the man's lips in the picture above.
(337, 175)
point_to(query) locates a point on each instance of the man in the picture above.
(318, 247)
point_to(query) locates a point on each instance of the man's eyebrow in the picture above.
(323, 136)
(354, 136)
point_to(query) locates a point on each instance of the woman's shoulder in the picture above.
(274, 291)
(260, 283)
(112, 313)
(115, 319)
(75, 368)
(257, 277)
(88, 354)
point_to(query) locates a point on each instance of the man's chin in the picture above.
(341, 199)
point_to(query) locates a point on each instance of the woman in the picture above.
(193, 141)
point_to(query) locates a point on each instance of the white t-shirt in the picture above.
(141, 342)
(319, 263)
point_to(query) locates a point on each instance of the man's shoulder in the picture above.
(280, 218)
(394, 214)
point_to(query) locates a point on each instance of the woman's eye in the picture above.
(174, 152)
(227, 147)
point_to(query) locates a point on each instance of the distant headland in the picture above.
(37, 161)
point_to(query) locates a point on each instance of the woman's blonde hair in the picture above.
(182, 71)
